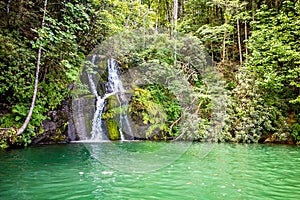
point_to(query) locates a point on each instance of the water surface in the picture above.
(148, 170)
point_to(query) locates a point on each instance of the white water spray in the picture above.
(114, 87)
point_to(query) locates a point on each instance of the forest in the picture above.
(254, 45)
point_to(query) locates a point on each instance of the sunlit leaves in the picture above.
(275, 50)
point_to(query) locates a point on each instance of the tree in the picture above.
(20, 131)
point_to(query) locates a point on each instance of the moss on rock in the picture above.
(112, 102)
(113, 131)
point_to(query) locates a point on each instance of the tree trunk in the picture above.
(175, 16)
(180, 9)
(225, 35)
(156, 22)
(239, 41)
(20, 131)
(128, 18)
(212, 51)
(7, 14)
(169, 16)
(246, 41)
(253, 10)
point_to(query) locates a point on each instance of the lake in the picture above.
(151, 170)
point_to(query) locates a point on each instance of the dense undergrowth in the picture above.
(254, 48)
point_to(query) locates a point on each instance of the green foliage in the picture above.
(60, 62)
(263, 94)
(8, 138)
(156, 106)
(275, 57)
(167, 86)
(5, 134)
(252, 118)
(268, 88)
(212, 36)
(112, 112)
(296, 132)
(17, 67)
(158, 101)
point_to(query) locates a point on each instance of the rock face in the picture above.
(56, 127)
(81, 117)
(71, 121)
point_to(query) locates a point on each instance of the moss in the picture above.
(113, 131)
(88, 122)
(112, 108)
(112, 102)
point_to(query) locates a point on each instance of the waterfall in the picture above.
(115, 87)
(97, 131)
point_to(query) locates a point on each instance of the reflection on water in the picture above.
(107, 171)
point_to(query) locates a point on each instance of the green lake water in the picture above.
(149, 170)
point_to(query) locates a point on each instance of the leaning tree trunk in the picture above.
(20, 131)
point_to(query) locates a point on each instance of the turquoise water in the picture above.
(148, 170)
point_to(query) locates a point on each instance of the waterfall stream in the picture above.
(114, 86)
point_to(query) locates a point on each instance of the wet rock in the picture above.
(55, 128)
(81, 118)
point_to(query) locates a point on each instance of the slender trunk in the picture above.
(239, 40)
(168, 17)
(7, 13)
(253, 10)
(182, 9)
(225, 35)
(212, 51)
(175, 16)
(144, 26)
(128, 18)
(246, 41)
(156, 22)
(20, 131)
(7, 7)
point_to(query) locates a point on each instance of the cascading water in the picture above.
(114, 87)
(97, 132)
(100, 103)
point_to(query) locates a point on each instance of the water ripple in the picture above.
(229, 171)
